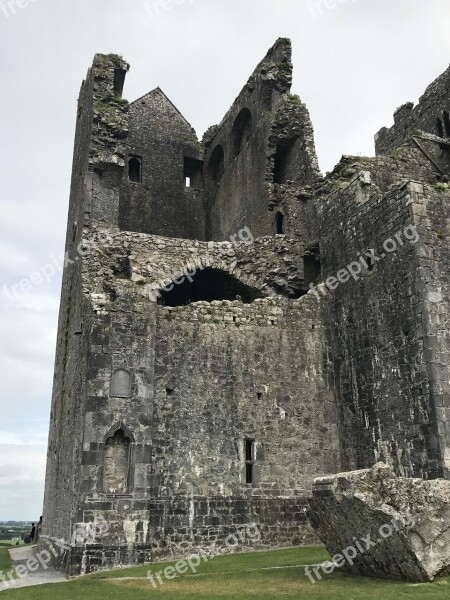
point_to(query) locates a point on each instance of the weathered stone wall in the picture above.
(239, 195)
(161, 203)
(66, 429)
(155, 396)
(183, 525)
(385, 387)
(431, 211)
(217, 384)
(94, 149)
(434, 105)
(203, 379)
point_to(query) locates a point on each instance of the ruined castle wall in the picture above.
(266, 130)
(382, 379)
(432, 106)
(161, 203)
(121, 338)
(185, 525)
(71, 364)
(204, 377)
(432, 214)
(109, 133)
(227, 372)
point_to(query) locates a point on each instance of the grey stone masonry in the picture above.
(215, 354)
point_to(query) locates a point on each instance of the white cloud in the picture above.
(22, 476)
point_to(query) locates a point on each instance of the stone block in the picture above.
(384, 525)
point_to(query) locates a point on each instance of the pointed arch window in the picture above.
(116, 467)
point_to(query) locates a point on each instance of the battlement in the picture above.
(430, 115)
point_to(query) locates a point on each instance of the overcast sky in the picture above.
(354, 63)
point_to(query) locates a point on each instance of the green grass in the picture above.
(5, 559)
(10, 543)
(236, 577)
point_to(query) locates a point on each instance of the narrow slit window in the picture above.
(249, 473)
(370, 260)
(249, 461)
(447, 123)
(280, 223)
(439, 128)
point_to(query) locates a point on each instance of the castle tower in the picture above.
(233, 325)
(191, 393)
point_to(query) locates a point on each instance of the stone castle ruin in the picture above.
(215, 354)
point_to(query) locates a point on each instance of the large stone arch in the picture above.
(207, 285)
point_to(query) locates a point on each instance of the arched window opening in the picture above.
(447, 123)
(284, 159)
(241, 131)
(206, 286)
(439, 128)
(280, 223)
(117, 463)
(216, 165)
(135, 169)
(120, 384)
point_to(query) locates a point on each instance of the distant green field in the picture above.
(10, 543)
(255, 576)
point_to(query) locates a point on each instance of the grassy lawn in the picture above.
(5, 560)
(236, 577)
(10, 543)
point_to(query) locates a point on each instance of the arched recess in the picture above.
(120, 384)
(135, 169)
(216, 165)
(207, 285)
(241, 131)
(116, 464)
(279, 223)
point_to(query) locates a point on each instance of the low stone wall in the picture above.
(184, 526)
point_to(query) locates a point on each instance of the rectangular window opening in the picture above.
(249, 461)
(193, 173)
